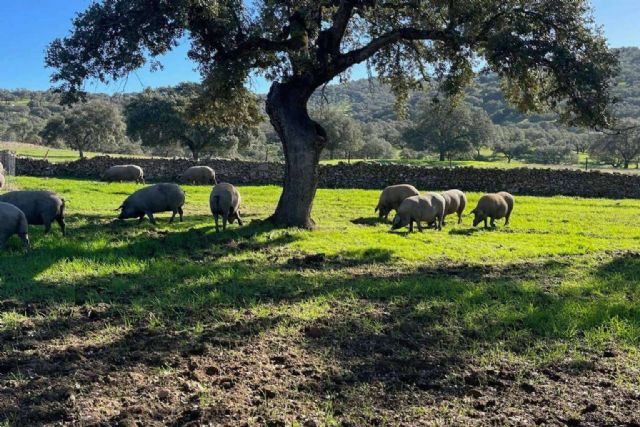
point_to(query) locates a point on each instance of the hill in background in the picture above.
(24, 113)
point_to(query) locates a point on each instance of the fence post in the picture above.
(8, 160)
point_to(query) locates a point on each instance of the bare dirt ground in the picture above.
(246, 372)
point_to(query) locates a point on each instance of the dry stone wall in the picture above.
(155, 170)
(543, 182)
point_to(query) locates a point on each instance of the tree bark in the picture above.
(443, 156)
(192, 147)
(302, 141)
(81, 153)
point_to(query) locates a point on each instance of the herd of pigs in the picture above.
(19, 209)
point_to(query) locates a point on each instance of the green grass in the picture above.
(559, 240)
(560, 283)
(54, 155)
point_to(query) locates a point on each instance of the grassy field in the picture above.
(54, 155)
(351, 324)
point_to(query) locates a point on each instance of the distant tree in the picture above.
(551, 152)
(548, 54)
(265, 145)
(619, 149)
(52, 134)
(580, 142)
(25, 130)
(391, 131)
(484, 131)
(449, 129)
(511, 143)
(376, 148)
(96, 126)
(171, 115)
(344, 133)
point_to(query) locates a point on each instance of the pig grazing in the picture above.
(391, 198)
(491, 206)
(120, 173)
(13, 221)
(428, 208)
(225, 201)
(199, 175)
(40, 207)
(153, 199)
(455, 202)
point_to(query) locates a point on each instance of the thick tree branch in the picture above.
(344, 61)
(330, 39)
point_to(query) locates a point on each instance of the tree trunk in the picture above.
(626, 164)
(302, 142)
(81, 151)
(192, 147)
(443, 156)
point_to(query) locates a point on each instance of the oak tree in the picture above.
(94, 126)
(446, 129)
(168, 116)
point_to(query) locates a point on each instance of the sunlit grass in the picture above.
(54, 155)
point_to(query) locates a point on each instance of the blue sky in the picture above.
(27, 27)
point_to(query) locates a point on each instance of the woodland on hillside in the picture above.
(360, 118)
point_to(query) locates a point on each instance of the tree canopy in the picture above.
(448, 129)
(169, 116)
(620, 148)
(547, 53)
(94, 126)
(511, 142)
(344, 134)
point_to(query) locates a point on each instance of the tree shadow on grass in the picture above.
(424, 345)
(408, 334)
(123, 244)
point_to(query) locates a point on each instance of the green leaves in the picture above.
(446, 128)
(96, 126)
(194, 118)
